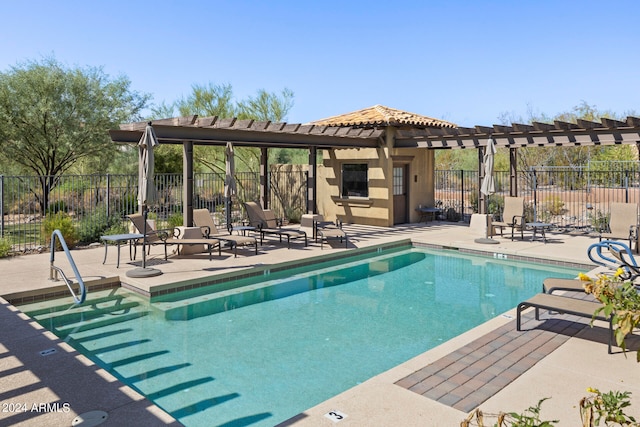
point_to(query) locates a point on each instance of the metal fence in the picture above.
(569, 198)
(98, 204)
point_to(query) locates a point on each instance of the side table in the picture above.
(539, 227)
(118, 239)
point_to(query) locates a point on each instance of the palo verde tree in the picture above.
(52, 116)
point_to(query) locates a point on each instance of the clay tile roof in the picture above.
(379, 115)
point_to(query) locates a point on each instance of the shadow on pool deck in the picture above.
(547, 363)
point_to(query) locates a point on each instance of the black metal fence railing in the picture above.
(99, 204)
(569, 198)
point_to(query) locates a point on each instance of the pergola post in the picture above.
(312, 207)
(187, 188)
(513, 172)
(264, 176)
(482, 199)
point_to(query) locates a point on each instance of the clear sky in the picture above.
(463, 61)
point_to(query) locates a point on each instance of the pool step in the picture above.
(53, 306)
(174, 308)
(100, 309)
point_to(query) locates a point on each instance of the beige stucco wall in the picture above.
(377, 209)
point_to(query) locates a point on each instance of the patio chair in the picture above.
(566, 305)
(512, 216)
(623, 223)
(202, 218)
(167, 237)
(265, 222)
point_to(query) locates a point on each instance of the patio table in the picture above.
(427, 214)
(540, 227)
(118, 239)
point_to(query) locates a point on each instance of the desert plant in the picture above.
(618, 298)
(5, 248)
(63, 222)
(599, 220)
(116, 228)
(93, 226)
(607, 407)
(530, 417)
(175, 220)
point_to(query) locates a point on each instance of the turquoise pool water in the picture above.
(263, 352)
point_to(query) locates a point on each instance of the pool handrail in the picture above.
(53, 276)
(606, 261)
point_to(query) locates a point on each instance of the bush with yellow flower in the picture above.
(620, 298)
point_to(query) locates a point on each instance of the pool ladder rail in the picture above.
(54, 270)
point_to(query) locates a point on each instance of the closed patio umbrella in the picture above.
(146, 193)
(146, 187)
(229, 181)
(488, 185)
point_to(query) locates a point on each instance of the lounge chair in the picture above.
(512, 216)
(623, 223)
(324, 230)
(566, 305)
(266, 223)
(168, 237)
(552, 284)
(202, 218)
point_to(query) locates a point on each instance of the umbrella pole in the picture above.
(143, 271)
(145, 215)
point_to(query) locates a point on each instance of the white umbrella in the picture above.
(229, 181)
(488, 184)
(146, 187)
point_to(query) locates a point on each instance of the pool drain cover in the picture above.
(90, 419)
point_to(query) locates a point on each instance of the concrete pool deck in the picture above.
(576, 359)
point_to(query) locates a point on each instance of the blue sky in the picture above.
(463, 61)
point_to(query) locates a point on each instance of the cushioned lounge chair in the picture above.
(265, 222)
(168, 237)
(623, 223)
(566, 305)
(512, 216)
(202, 218)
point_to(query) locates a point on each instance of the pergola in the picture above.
(214, 131)
(194, 130)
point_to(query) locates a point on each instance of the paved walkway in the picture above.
(469, 376)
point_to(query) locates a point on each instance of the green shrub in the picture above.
(5, 248)
(95, 225)
(116, 228)
(175, 220)
(63, 222)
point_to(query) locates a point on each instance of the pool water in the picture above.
(261, 353)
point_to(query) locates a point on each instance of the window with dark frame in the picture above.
(355, 180)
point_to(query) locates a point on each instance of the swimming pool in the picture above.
(262, 352)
